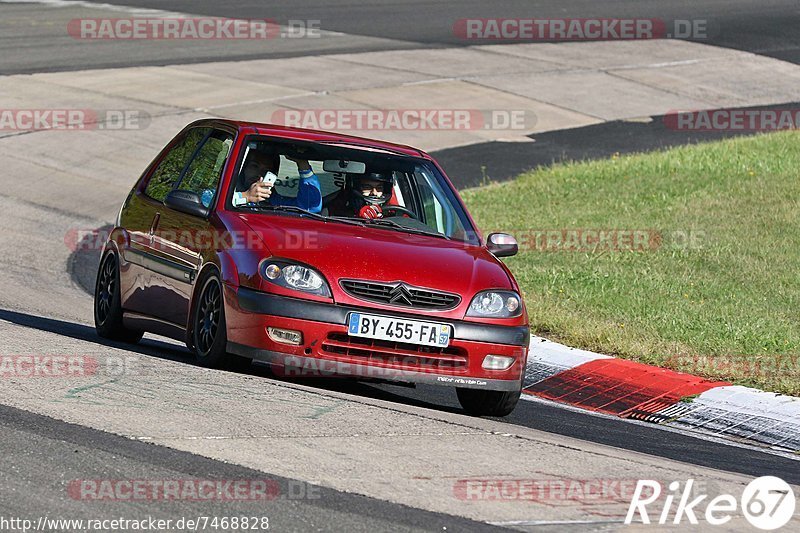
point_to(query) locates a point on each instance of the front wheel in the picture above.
(108, 304)
(209, 334)
(477, 402)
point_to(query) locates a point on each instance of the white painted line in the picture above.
(553, 522)
(428, 82)
(252, 102)
(665, 64)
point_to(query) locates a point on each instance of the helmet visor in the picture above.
(374, 189)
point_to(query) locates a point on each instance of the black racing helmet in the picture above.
(382, 177)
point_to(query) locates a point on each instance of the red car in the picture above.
(411, 295)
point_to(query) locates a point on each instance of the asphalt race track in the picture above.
(74, 451)
(767, 27)
(358, 456)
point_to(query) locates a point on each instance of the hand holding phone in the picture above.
(261, 190)
(269, 179)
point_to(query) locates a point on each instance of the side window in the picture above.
(205, 170)
(163, 180)
(433, 210)
(437, 211)
(401, 191)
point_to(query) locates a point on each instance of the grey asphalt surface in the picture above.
(30, 490)
(634, 436)
(767, 27)
(35, 39)
(638, 437)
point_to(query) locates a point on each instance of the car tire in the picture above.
(209, 333)
(477, 402)
(108, 304)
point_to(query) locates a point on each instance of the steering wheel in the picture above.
(399, 210)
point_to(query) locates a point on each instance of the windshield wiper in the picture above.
(394, 225)
(347, 220)
(300, 211)
(294, 209)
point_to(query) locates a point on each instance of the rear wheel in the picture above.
(477, 402)
(108, 304)
(209, 334)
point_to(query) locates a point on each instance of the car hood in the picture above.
(343, 251)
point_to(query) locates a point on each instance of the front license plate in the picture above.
(398, 330)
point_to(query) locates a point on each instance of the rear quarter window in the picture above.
(166, 175)
(206, 168)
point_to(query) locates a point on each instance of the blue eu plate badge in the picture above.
(355, 320)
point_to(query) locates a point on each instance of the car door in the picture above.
(182, 240)
(141, 262)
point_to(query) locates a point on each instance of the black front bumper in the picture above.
(272, 304)
(299, 366)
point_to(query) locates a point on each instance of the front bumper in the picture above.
(328, 351)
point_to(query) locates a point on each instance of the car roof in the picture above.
(302, 134)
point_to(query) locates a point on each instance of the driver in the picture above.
(368, 194)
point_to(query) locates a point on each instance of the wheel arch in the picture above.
(208, 268)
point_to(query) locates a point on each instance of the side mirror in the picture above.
(502, 244)
(188, 202)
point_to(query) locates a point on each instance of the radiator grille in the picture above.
(400, 295)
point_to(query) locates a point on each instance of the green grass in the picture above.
(726, 307)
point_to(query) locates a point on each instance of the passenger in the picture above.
(250, 190)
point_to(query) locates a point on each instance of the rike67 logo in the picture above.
(767, 502)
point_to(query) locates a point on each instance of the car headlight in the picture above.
(295, 276)
(495, 304)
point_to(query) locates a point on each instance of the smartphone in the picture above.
(269, 179)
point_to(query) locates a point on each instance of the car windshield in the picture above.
(410, 193)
